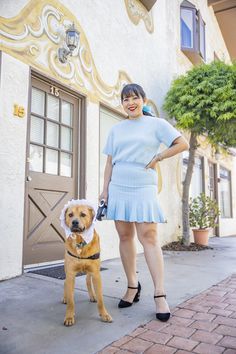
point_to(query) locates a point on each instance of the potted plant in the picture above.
(203, 213)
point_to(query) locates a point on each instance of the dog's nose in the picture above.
(75, 223)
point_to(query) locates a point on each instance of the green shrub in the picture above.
(203, 212)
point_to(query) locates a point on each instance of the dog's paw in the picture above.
(69, 321)
(93, 298)
(106, 317)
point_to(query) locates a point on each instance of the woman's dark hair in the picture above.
(132, 89)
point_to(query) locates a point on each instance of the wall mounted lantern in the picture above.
(71, 43)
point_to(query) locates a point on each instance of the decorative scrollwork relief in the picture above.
(137, 11)
(35, 41)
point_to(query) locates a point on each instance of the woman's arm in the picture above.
(107, 178)
(180, 144)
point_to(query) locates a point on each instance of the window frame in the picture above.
(193, 11)
(201, 22)
(230, 192)
(195, 53)
(212, 181)
(185, 163)
(113, 113)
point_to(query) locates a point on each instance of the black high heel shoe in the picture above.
(162, 316)
(124, 303)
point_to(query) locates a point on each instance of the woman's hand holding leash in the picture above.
(102, 210)
(103, 196)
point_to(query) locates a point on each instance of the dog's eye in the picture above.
(83, 215)
(70, 215)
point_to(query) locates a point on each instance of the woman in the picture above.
(130, 190)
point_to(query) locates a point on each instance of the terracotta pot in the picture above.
(201, 236)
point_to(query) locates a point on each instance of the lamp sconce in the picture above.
(71, 43)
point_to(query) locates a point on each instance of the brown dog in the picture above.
(82, 257)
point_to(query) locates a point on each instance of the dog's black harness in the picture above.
(94, 256)
(81, 245)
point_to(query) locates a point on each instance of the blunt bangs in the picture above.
(132, 89)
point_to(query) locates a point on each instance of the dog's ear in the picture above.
(92, 212)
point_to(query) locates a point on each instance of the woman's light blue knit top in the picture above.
(139, 140)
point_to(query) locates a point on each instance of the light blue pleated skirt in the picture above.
(132, 194)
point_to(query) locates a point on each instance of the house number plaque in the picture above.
(54, 91)
(19, 111)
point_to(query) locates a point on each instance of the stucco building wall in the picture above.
(116, 45)
(14, 85)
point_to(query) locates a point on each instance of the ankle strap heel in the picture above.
(163, 317)
(156, 296)
(124, 303)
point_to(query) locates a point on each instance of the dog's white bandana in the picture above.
(87, 234)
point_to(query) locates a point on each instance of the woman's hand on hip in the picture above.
(152, 164)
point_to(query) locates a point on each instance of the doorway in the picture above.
(54, 154)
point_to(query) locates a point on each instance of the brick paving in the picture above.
(204, 324)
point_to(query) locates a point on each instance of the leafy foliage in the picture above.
(203, 212)
(203, 101)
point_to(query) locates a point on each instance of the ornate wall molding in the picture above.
(35, 34)
(137, 12)
(159, 179)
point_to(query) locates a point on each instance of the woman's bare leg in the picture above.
(147, 235)
(126, 232)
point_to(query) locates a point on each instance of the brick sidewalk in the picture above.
(204, 324)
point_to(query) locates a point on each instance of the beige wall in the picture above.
(13, 90)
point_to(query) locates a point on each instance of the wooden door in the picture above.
(51, 169)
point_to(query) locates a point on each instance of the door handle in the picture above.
(28, 179)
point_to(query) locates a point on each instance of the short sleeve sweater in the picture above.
(138, 140)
